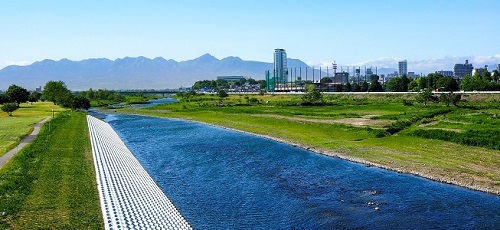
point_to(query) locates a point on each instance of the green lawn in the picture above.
(51, 183)
(20, 124)
(354, 127)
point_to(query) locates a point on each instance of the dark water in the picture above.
(220, 179)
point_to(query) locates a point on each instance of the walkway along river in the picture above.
(222, 179)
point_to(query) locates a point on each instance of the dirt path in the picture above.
(24, 142)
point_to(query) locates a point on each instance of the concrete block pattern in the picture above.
(129, 197)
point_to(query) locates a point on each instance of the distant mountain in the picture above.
(132, 73)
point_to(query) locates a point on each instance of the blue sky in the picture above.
(359, 32)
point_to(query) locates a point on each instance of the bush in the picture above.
(9, 108)
(407, 103)
(398, 126)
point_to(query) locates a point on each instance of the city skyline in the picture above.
(431, 35)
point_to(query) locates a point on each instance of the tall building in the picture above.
(403, 67)
(460, 70)
(280, 67)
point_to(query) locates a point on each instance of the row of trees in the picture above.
(485, 82)
(219, 84)
(102, 94)
(54, 91)
(59, 94)
(432, 81)
(14, 96)
(373, 86)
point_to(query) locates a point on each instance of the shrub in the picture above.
(9, 108)
(398, 126)
(407, 103)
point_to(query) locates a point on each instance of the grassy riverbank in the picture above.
(374, 129)
(15, 128)
(51, 183)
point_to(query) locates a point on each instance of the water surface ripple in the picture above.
(222, 179)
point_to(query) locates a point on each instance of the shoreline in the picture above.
(333, 153)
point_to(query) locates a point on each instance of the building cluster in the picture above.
(290, 79)
(459, 70)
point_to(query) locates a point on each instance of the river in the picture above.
(223, 179)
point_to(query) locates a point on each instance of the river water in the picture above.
(222, 179)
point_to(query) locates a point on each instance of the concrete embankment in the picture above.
(129, 197)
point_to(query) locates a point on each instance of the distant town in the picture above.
(334, 78)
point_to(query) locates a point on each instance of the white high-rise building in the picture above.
(280, 67)
(403, 67)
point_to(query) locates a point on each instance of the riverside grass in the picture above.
(13, 129)
(335, 130)
(50, 184)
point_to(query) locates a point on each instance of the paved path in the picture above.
(24, 142)
(129, 197)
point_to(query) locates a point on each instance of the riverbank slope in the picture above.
(353, 133)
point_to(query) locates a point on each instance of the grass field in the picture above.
(374, 129)
(20, 124)
(51, 183)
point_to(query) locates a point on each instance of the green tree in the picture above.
(213, 85)
(399, 84)
(447, 83)
(486, 76)
(413, 86)
(222, 93)
(326, 80)
(450, 98)
(395, 85)
(80, 102)
(252, 81)
(312, 96)
(425, 96)
(348, 87)
(90, 94)
(222, 84)
(338, 88)
(34, 97)
(262, 84)
(355, 87)
(56, 92)
(364, 86)
(4, 99)
(9, 108)
(466, 83)
(495, 76)
(17, 94)
(375, 86)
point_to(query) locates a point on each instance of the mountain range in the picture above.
(136, 72)
(132, 72)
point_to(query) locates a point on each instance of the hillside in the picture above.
(132, 72)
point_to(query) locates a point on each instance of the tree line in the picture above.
(221, 84)
(54, 91)
(485, 82)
